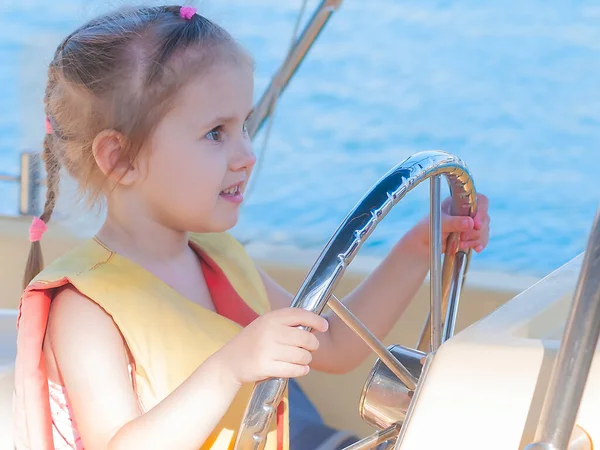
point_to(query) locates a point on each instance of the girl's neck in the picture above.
(140, 238)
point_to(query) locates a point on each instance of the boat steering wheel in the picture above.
(396, 364)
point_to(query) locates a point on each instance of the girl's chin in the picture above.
(223, 223)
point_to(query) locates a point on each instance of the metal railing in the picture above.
(290, 65)
(556, 428)
(30, 179)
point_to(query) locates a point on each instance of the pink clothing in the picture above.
(64, 430)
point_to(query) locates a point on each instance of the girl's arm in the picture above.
(378, 302)
(383, 296)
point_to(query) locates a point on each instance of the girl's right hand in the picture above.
(273, 346)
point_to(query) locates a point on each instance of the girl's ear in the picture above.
(107, 149)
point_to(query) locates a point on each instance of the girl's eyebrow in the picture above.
(226, 119)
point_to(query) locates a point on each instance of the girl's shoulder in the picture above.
(76, 262)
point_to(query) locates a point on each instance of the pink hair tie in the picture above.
(37, 228)
(48, 126)
(187, 12)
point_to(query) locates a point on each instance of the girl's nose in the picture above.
(244, 157)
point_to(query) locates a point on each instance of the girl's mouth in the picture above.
(233, 194)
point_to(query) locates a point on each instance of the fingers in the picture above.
(474, 232)
(288, 370)
(293, 355)
(482, 212)
(476, 244)
(298, 338)
(477, 238)
(453, 224)
(477, 232)
(482, 203)
(295, 317)
(477, 221)
(480, 220)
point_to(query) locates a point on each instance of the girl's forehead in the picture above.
(224, 90)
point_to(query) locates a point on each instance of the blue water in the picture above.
(511, 88)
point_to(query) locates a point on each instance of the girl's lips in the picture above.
(233, 198)
(237, 195)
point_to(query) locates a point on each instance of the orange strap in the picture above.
(33, 420)
(227, 301)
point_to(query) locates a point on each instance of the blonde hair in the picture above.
(117, 72)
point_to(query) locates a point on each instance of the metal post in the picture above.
(435, 255)
(289, 67)
(572, 365)
(29, 183)
(580, 440)
(460, 267)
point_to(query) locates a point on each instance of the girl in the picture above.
(150, 335)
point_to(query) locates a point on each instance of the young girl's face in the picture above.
(201, 156)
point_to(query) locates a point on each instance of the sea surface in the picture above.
(510, 87)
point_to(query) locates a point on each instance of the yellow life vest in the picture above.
(168, 335)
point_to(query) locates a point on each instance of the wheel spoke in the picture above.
(376, 438)
(371, 340)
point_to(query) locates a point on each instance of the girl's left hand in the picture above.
(474, 232)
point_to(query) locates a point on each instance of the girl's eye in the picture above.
(216, 134)
(245, 127)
